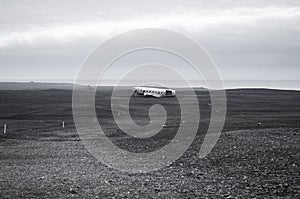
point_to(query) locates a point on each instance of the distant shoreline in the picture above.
(69, 86)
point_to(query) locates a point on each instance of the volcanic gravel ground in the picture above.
(257, 155)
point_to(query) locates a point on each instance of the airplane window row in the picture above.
(158, 92)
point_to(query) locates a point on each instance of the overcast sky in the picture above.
(42, 40)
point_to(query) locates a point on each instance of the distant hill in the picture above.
(61, 86)
(34, 86)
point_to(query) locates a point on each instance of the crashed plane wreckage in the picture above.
(153, 92)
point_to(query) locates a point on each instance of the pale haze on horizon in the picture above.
(248, 40)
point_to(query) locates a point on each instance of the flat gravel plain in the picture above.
(257, 155)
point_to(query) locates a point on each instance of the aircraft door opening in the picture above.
(168, 92)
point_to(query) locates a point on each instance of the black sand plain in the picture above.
(257, 155)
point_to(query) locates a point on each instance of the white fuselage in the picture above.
(154, 92)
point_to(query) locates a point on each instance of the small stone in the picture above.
(157, 190)
(72, 191)
(286, 185)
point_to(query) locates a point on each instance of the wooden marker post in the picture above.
(4, 129)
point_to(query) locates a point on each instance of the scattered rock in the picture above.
(72, 191)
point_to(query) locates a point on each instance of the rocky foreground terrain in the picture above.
(257, 155)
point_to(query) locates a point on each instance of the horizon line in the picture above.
(178, 86)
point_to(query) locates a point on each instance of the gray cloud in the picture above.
(48, 40)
